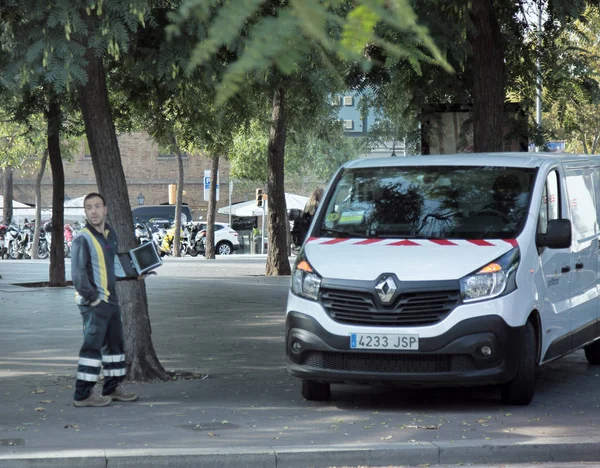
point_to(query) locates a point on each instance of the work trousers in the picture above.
(103, 348)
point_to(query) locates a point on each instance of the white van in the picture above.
(448, 271)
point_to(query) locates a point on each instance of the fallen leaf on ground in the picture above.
(72, 426)
(40, 409)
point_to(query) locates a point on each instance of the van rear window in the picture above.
(441, 202)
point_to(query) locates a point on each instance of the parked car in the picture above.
(159, 216)
(226, 239)
(453, 270)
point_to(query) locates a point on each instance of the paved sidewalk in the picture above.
(225, 320)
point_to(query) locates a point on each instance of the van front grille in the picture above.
(389, 363)
(409, 309)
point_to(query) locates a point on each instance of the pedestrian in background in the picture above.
(93, 257)
(302, 224)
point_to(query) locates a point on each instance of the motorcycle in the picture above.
(158, 237)
(142, 233)
(193, 239)
(13, 238)
(3, 250)
(68, 232)
(44, 242)
(167, 244)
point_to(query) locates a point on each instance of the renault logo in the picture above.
(386, 289)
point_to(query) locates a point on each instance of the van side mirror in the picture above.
(558, 235)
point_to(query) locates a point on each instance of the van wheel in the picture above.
(521, 389)
(592, 352)
(315, 391)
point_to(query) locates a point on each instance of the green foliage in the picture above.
(151, 93)
(278, 34)
(572, 84)
(319, 152)
(21, 144)
(45, 43)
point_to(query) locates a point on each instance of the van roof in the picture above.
(514, 159)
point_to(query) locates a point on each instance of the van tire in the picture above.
(520, 390)
(592, 352)
(316, 391)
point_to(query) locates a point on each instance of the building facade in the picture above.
(149, 174)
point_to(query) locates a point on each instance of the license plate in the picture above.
(377, 341)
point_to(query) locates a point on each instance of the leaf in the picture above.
(40, 409)
(71, 426)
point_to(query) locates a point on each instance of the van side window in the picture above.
(596, 178)
(581, 202)
(550, 208)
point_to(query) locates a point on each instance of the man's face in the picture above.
(95, 211)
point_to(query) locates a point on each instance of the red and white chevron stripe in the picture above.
(413, 242)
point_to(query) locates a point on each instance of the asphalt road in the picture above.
(225, 320)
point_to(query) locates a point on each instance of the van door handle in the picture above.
(578, 266)
(565, 269)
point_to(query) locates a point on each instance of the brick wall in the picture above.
(150, 174)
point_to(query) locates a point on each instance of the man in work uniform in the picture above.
(93, 257)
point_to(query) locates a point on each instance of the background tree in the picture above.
(20, 145)
(177, 108)
(64, 45)
(29, 72)
(572, 94)
(277, 43)
(315, 146)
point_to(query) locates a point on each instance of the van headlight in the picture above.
(494, 279)
(305, 281)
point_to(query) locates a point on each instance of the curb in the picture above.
(559, 449)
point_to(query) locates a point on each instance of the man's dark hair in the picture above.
(92, 195)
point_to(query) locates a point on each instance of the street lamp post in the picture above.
(539, 84)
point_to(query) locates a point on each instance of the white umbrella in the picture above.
(249, 208)
(20, 211)
(74, 209)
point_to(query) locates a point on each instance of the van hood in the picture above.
(408, 259)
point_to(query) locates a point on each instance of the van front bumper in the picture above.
(451, 359)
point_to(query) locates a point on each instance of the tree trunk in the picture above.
(488, 78)
(38, 206)
(57, 248)
(277, 259)
(7, 193)
(212, 208)
(179, 201)
(585, 149)
(100, 131)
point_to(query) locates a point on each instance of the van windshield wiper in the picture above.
(384, 235)
(338, 232)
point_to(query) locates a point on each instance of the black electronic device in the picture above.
(139, 261)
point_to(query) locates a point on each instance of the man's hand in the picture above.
(145, 275)
(95, 303)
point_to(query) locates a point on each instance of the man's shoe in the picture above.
(92, 400)
(121, 395)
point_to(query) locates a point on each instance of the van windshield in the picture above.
(440, 202)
